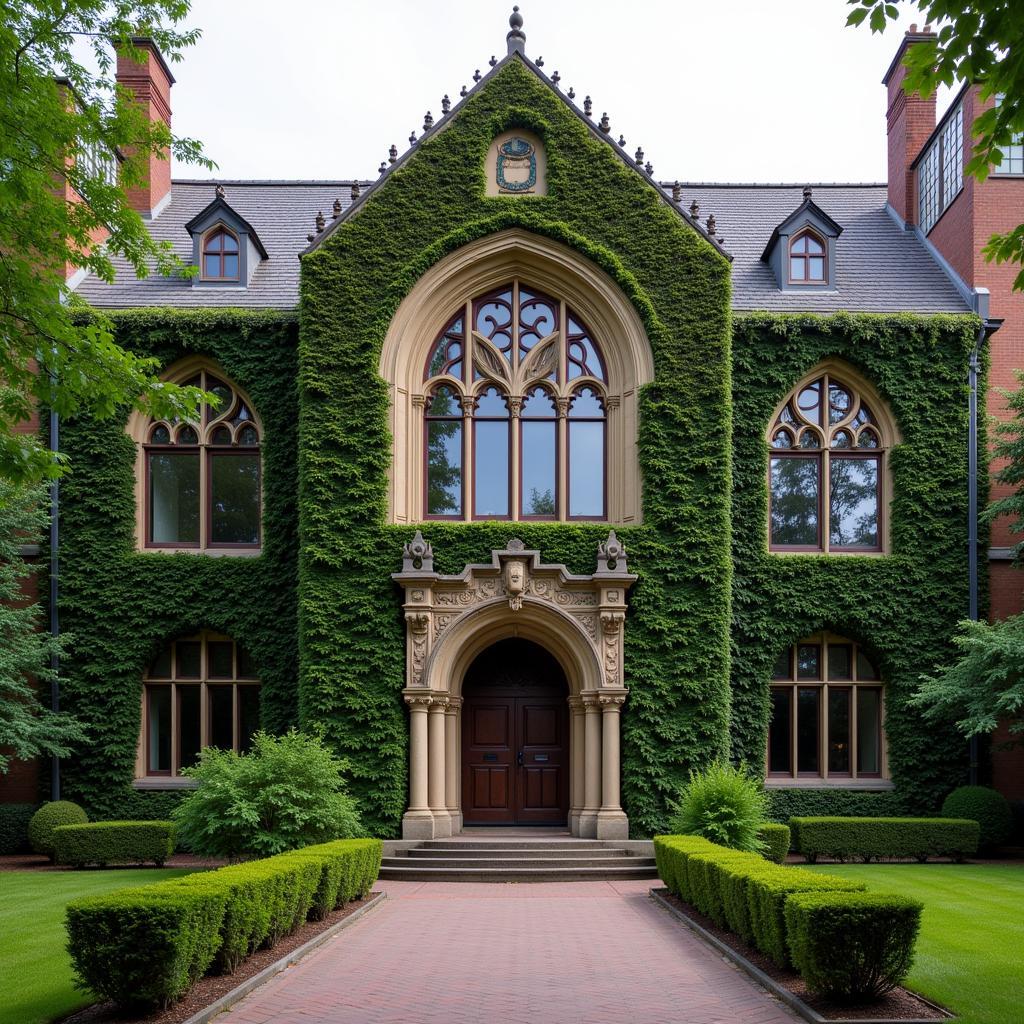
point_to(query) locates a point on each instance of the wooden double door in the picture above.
(515, 738)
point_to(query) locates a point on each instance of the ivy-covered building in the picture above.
(535, 481)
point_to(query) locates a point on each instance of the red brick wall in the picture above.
(150, 81)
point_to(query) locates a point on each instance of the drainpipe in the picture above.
(985, 331)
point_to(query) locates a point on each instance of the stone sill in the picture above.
(164, 783)
(866, 785)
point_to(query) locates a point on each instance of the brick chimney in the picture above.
(910, 120)
(150, 81)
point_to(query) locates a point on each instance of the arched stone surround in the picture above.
(580, 620)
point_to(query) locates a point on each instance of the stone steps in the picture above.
(516, 860)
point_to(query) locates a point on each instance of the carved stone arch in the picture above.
(450, 620)
(476, 268)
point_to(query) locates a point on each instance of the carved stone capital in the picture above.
(419, 622)
(591, 703)
(418, 701)
(611, 703)
(576, 703)
(438, 705)
(468, 403)
(453, 704)
(419, 401)
(515, 405)
(611, 622)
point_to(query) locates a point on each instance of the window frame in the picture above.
(141, 428)
(824, 684)
(881, 425)
(208, 236)
(935, 167)
(177, 683)
(807, 232)
(472, 384)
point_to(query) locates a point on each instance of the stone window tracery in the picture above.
(201, 481)
(827, 469)
(518, 404)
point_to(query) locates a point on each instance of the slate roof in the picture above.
(281, 212)
(880, 268)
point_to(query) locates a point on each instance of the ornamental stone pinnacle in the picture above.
(622, 140)
(477, 76)
(463, 92)
(677, 192)
(393, 154)
(556, 78)
(412, 137)
(355, 191)
(639, 155)
(695, 210)
(219, 191)
(428, 121)
(571, 93)
(336, 209)
(605, 125)
(383, 167)
(807, 191)
(493, 62)
(417, 555)
(711, 225)
(588, 106)
(320, 223)
(516, 38)
(649, 167)
(446, 104)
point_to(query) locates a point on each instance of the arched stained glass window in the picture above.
(220, 256)
(827, 470)
(524, 393)
(202, 479)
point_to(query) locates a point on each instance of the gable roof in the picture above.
(220, 208)
(600, 130)
(880, 267)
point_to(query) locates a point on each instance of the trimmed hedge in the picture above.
(14, 819)
(148, 946)
(884, 838)
(47, 818)
(114, 842)
(776, 840)
(144, 947)
(853, 947)
(985, 806)
(740, 891)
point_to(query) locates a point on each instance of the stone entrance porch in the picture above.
(450, 620)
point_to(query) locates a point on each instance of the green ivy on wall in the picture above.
(903, 606)
(120, 606)
(352, 652)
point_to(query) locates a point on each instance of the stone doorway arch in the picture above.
(579, 620)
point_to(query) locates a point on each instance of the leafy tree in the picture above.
(985, 685)
(1009, 445)
(286, 792)
(27, 728)
(65, 128)
(981, 42)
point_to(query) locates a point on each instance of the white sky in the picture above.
(734, 90)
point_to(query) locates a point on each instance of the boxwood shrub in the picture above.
(148, 946)
(47, 818)
(113, 842)
(985, 806)
(670, 854)
(884, 838)
(853, 947)
(775, 840)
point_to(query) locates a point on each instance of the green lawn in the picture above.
(37, 980)
(972, 933)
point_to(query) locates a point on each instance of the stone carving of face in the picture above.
(515, 577)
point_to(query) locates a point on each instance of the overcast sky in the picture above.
(731, 90)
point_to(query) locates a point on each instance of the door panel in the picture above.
(515, 760)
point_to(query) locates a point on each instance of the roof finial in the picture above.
(711, 225)
(412, 137)
(622, 139)
(477, 76)
(493, 61)
(463, 92)
(383, 167)
(571, 93)
(540, 62)
(219, 191)
(639, 156)
(807, 191)
(649, 167)
(428, 121)
(320, 222)
(355, 191)
(588, 106)
(677, 192)
(446, 104)
(336, 209)
(393, 154)
(516, 38)
(605, 125)
(695, 210)
(556, 78)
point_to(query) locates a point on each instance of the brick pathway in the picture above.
(465, 953)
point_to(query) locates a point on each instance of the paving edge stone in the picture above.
(780, 992)
(225, 1002)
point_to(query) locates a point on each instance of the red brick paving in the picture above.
(571, 953)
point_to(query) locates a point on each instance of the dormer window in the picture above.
(808, 257)
(220, 255)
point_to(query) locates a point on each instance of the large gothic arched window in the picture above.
(200, 482)
(827, 471)
(515, 400)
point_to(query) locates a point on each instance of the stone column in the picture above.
(592, 767)
(611, 821)
(452, 763)
(578, 764)
(436, 775)
(418, 822)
